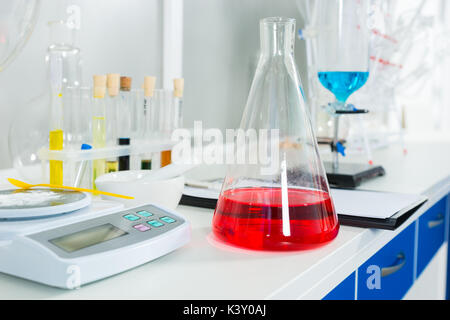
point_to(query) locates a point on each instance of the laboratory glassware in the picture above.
(124, 161)
(343, 47)
(174, 115)
(163, 99)
(76, 104)
(112, 106)
(343, 51)
(112, 103)
(64, 69)
(65, 74)
(125, 110)
(148, 110)
(178, 89)
(99, 124)
(83, 167)
(17, 21)
(280, 201)
(164, 103)
(148, 115)
(342, 54)
(137, 120)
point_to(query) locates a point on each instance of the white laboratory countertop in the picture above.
(204, 269)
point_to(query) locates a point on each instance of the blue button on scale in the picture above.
(131, 217)
(167, 219)
(144, 213)
(155, 223)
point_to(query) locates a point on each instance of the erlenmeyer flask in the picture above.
(286, 207)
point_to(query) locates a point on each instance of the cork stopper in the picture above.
(99, 86)
(125, 83)
(178, 87)
(113, 84)
(149, 86)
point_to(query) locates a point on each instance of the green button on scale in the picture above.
(144, 213)
(167, 219)
(131, 217)
(155, 223)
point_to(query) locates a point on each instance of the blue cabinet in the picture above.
(344, 291)
(389, 273)
(431, 234)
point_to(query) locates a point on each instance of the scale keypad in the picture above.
(134, 225)
(147, 220)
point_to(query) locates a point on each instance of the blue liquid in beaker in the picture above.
(343, 83)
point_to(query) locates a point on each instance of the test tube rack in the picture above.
(107, 152)
(72, 157)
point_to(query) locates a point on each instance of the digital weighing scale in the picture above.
(69, 240)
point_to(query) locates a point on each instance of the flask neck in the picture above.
(277, 37)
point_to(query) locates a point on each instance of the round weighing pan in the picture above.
(36, 203)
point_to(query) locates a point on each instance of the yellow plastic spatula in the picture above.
(24, 185)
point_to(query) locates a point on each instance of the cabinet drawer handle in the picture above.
(436, 223)
(398, 264)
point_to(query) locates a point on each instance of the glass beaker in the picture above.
(342, 47)
(281, 201)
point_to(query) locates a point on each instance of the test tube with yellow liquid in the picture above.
(56, 167)
(112, 109)
(56, 139)
(99, 124)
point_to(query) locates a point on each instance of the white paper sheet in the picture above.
(371, 204)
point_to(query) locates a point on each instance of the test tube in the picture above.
(56, 137)
(82, 168)
(124, 161)
(176, 120)
(178, 89)
(113, 85)
(148, 116)
(125, 109)
(99, 124)
(125, 116)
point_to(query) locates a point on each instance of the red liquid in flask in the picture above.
(253, 218)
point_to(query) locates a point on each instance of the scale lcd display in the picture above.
(89, 237)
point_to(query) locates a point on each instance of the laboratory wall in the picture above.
(221, 47)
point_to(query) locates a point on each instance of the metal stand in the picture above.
(347, 175)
